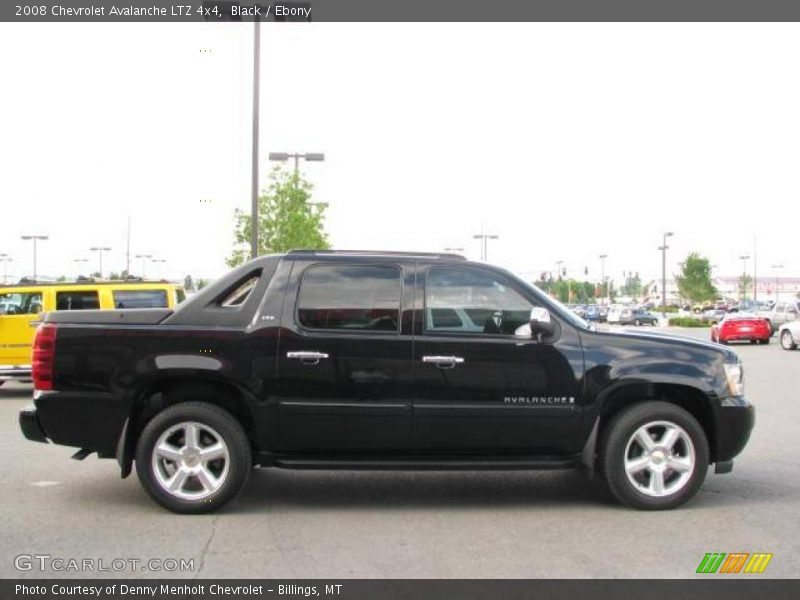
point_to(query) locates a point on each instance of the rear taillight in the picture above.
(44, 346)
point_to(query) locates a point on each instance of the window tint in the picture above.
(353, 297)
(140, 298)
(482, 303)
(180, 295)
(22, 303)
(83, 300)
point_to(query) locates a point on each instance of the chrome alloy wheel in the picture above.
(659, 459)
(190, 461)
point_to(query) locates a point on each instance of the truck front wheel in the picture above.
(654, 455)
(193, 457)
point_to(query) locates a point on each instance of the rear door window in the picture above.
(81, 300)
(351, 297)
(140, 298)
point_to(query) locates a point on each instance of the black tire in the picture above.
(615, 443)
(787, 341)
(238, 460)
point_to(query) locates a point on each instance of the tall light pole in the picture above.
(77, 262)
(603, 258)
(160, 262)
(484, 237)
(144, 257)
(100, 250)
(5, 259)
(663, 249)
(306, 156)
(744, 258)
(777, 289)
(35, 239)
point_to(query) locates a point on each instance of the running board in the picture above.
(429, 463)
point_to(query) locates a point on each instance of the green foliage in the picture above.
(688, 322)
(632, 287)
(200, 283)
(694, 282)
(286, 219)
(745, 282)
(188, 284)
(668, 309)
(569, 291)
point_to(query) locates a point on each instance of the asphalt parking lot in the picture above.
(407, 525)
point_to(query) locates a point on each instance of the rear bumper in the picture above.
(14, 372)
(30, 426)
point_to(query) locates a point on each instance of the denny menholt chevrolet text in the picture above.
(376, 360)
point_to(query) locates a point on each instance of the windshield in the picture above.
(563, 311)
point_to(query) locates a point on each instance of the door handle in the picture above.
(307, 357)
(443, 362)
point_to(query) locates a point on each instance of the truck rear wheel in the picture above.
(193, 457)
(654, 455)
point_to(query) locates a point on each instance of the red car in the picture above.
(740, 327)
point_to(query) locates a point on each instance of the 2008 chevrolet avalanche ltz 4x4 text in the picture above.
(376, 360)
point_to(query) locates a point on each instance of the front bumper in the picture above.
(735, 418)
(30, 426)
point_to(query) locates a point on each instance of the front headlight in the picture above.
(735, 376)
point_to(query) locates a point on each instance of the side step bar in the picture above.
(430, 463)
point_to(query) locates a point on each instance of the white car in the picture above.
(614, 313)
(789, 335)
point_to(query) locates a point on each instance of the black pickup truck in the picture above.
(376, 360)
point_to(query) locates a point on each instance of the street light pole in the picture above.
(254, 182)
(603, 258)
(663, 249)
(296, 156)
(144, 257)
(35, 239)
(777, 289)
(160, 262)
(100, 250)
(5, 260)
(79, 260)
(484, 237)
(744, 275)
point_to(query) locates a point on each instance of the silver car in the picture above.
(783, 312)
(789, 335)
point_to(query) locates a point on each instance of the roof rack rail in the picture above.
(386, 253)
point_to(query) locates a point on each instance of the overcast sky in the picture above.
(566, 140)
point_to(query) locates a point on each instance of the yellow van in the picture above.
(21, 304)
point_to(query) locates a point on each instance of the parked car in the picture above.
(23, 303)
(614, 313)
(592, 312)
(637, 316)
(741, 327)
(353, 360)
(782, 312)
(715, 315)
(789, 335)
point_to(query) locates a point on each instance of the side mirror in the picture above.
(540, 322)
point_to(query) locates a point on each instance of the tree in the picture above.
(286, 219)
(200, 283)
(633, 286)
(188, 284)
(745, 281)
(694, 282)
